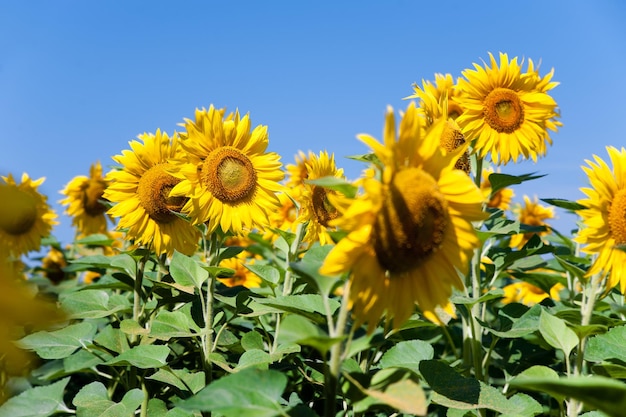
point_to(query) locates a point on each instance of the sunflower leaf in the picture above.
(564, 204)
(499, 181)
(186, 271)
(60, 343)
(37, 401)
(336, 184)
(556, 333)
(607, 346)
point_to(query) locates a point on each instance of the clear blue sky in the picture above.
(79, 79)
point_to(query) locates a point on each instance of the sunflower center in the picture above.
(503, 110)
(411, 223)
(92, 193)
(324, 211)
(452, 138)
(229, 175)
(18, 212)
(617, 218)
(153, 191)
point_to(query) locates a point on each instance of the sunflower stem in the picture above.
(333, 367)
(212, 256)
(137, 295)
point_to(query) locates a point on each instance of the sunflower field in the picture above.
(206, 278)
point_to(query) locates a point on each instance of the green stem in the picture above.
(134, 338)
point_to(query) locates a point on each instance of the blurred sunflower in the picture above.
(284, 218)
(230, 179)
(526, 293)
(501, 199)
(84, 205)
(298, 172)
(141, 190)
(506, 111)
(410, 234)
(531, 214)
(243, 276)
(53, 264)
(25, 216)
(430, 96)
(604, 218)
(316, 207)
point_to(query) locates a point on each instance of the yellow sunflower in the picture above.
(242, 276)
(284, 218)
(506, 111)
(604, 218)
(531, 214)
(410, 235)
(141, 190)
(431, 96)
(84, 205)
(25, 216)
(53, 264)
(501, 199)
(298, 172)
(316, 208)
(526, 293)
(230, 179)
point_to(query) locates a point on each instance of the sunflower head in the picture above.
(25, 216)
(604, 218)
(532, 214)
(230, 179)
(506, 111)
(439, 99)
(298, 173)
(85, 204)
(410, 233)
(53, 264)
(242, 276)
(141, 191)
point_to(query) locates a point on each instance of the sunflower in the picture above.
(432, 95)
(284, 218)
(410, 233)
(84, 205)
(531, 214)
(53, 264)
(230, 179)
(526, 293)
(25, 216)
(298, 172)
(604, 218)
(501, 199)
(141, 190)
(316, 207)
(506, 111)
(243, 276)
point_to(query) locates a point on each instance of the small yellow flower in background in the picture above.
(89, 277)
(284, 218)
(431, 96)
(316, 208)
(242, 276)
(506, 111)
(501, 199)
(25, 216)
(604, 218)
(53, 264)
(531, 214)
(298, 172)
(229, 178)
(410, 233)
(526, 293)
(84, 203)
(141, 191)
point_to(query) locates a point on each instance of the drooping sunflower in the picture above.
(431, 95)
(230, 179)
(141, 190)
(410, 234)
(316, 207)
(501, 199)
(531, 214)
(84, 205)
(507, 111)
(25, 216)
(604, 218)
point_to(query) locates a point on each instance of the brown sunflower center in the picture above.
(323, 209)
(452, 138)
(92, 194)
(229, 175)
(454, 109)
(617, 218)
(503, 110)
(411, 223)
(18, 212)
(153, 191)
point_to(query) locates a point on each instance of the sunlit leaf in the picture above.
(37, 401)
(60, 343)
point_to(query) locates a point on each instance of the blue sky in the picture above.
(80, 79)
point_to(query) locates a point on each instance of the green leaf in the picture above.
(607, 346)
(92, 401)
(180, 378)
(126, 263)
(187, 271)
(83, 360)
(254, 358)
(526, 324)
(539, 371)
(407, 354)
(91, 261)
(499, 181)
(131, 327)
(267, 273)
(340, 185)
(300, 303)
(179, 323)
(93, 304)
(235, 396)
(488, 296)
(252, 340)
(97, 239)
(309, 265)
(596, 392)
(297, 329)
(564, 204)
(37, 401)
(60, 343)
(142, 356)
(556, 333)
(112, 339)
(610, 370)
